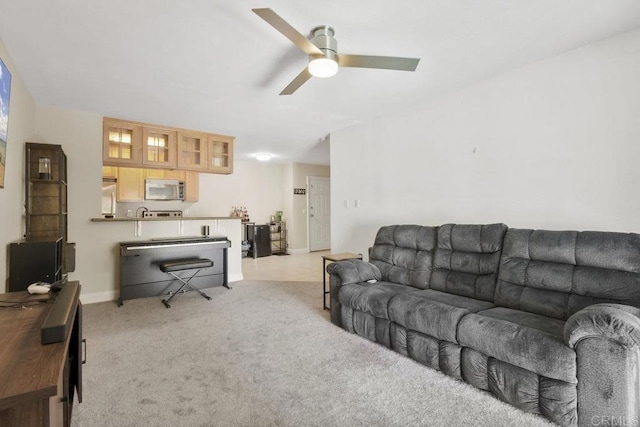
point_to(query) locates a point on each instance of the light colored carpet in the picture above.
(261, 354)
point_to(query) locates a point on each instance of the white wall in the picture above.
(22, 112)
(554, 145)
(254, 185)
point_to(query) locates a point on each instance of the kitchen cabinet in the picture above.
(154, 174)
(109, 172)
(220, 154)
(130, 185)
(122, 143)
(192, 150)
(159, 147)
(149, 146)
(191, 186)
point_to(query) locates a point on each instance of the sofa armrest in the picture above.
(344, 273)
(606, 339)
(616, 322)
(354, 271)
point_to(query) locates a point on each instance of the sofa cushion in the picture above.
(466, 259)
(372, 298)
(557, 273)
(404, 254)
(433, 313)
(526, 340)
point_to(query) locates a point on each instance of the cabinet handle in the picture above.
(84, 351)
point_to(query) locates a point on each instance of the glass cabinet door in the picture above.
(220, 157)
(158, 147)
(122, 142)
(192, 150)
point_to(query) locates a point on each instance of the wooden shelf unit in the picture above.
(46, 217)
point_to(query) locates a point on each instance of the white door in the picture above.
(319, 222)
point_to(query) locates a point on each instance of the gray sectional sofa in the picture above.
(548, 321)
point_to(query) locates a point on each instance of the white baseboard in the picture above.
(298, 251)
(95, 297)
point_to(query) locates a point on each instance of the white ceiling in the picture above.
(213, 65)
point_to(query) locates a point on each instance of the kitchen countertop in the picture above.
(173, 218)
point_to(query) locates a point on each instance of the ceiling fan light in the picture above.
(323, 67)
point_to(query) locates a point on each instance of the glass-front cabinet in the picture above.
(46, 195)
(158, 147)
(192, 150)
(122, 143)
(46, 192)
(220, 159)
(147, 146)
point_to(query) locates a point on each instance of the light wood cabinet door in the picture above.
(130, 187)
(154, 174)
(192, 150)
(158, 147)
(174, 174)
(122, 143)
(220, 154)
(191, 186)
(109, 172)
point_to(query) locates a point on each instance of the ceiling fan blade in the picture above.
(297, 82)
(384, 62)
(288, 31)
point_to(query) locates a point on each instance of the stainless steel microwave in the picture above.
(163, 189)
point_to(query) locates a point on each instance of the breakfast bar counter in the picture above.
(168, 218)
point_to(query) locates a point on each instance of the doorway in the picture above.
(319, 213)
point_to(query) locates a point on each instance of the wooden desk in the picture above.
(333, 257)
(37, 381)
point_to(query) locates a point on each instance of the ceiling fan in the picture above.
(322, 49)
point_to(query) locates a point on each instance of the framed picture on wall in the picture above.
(5, 93)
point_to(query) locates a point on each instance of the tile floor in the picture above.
(297, 267)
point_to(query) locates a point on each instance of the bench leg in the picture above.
(200, 292)
(185, 284)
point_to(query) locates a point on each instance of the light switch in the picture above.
(346, 203)
(356, 203)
